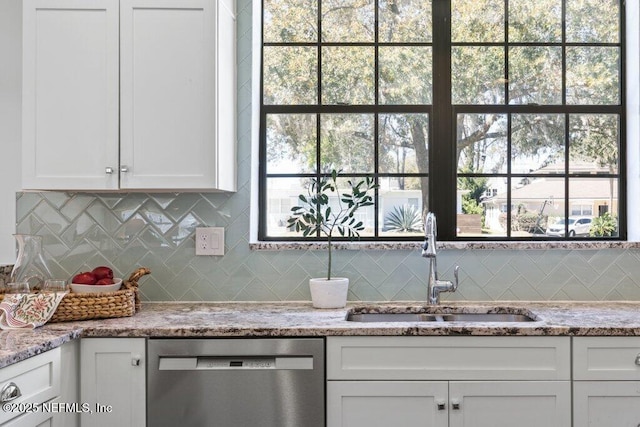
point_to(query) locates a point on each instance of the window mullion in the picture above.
(442, 145)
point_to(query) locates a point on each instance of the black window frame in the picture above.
(441, 138)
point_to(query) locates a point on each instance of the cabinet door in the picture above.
(508, 404)
(168, 92)
(606, 403)
(69, 383)
(36, 419)
(112, 381)
(386, 403)
(70, 94)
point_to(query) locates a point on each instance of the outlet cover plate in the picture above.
(210, 241)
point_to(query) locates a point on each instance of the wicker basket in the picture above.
(103, 305)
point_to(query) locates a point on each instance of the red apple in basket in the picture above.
(103, 272)
(105, 281)
(86, 278)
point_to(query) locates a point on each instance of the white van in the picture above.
(578, 226)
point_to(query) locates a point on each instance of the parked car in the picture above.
(578, 226)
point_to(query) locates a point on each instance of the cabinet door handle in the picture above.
(108, 170)
(455, 404)
(441, 405)
(124, 168)
(638, 363)
(135, 361)
(9, 392)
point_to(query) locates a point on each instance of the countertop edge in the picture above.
(299, 319)
(39, 345)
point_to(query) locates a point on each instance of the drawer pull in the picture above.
(455, 404)
(441, 405)
(638, 363)
(10, 392)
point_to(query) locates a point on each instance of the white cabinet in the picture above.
(448, 381)
(387, 403)
(129, 94)
(69, 384)
(70, 94)
(112, 381)
(177, 94)
(34, 381)
(510, 403)
(606, 388)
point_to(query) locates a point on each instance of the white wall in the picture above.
(10, 122)
(633, 122)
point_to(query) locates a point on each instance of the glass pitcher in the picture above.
(30, 265)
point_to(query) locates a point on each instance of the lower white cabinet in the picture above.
(36, 419)
(448, 381)
(606, 403)
(34, 381)
(455, 403)
(387, 403)
(606, 387)
(112, 381)
(510, 403)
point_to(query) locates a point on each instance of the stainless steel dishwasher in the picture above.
(262, 382)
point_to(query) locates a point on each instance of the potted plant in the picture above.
(316, 215)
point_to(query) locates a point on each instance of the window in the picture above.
(509, 113)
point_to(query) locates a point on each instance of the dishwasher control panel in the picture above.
(231, 363)
(237, 363)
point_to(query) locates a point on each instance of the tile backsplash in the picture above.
(81, 231)
(126, 230)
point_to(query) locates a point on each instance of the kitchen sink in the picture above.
(444, 314)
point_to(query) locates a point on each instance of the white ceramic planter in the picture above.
(329, 293)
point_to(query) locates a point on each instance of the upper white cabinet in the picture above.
(70, 94)
(129, 94)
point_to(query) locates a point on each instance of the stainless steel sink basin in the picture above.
(354, 316)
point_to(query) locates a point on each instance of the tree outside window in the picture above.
(498, 115)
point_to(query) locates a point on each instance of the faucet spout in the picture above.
(435, 286)
(430, 234)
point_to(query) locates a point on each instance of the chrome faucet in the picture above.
(435, 286)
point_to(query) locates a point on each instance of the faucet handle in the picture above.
(455, 275)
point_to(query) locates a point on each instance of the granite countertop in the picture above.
(300, 319)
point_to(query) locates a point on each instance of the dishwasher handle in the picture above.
(226, 363)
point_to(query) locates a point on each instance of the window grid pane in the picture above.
(532, 102)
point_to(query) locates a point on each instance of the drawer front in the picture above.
(38, 379)
(35, 419)
(606, 358)
(448, 358)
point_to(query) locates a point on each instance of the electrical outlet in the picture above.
(209, 241)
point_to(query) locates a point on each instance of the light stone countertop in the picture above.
(183, 319)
